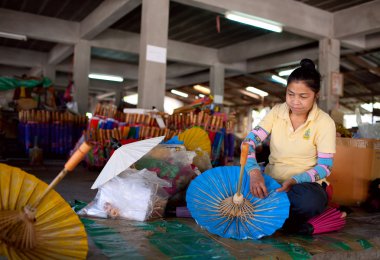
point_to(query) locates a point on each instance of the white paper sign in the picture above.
(218, 99)
(156, 54)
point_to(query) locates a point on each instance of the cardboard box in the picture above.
(356, 163)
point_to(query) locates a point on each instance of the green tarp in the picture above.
(12, 83)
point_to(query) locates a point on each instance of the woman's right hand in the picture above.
(257, 184)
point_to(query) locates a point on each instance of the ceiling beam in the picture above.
(357, 43)
(61, 31)
(281, 60)
(374, 93)
(106, 14)
(121, 69)
(130, 71)
(22, 58)
(348, 65)
(373, 41)
(279, 88)
(59, 53)
(195, 54)
(96, 85)
(270, 62)
(268, 86)
(117, 40)
(36, 60)
(349, 77)
(263, 45)
(295, 16)
(358, 20)
(177, 51)
(39, 27)
(180, 69)
(364, 63)
(253, 66)
(195, 79)
(6, 71)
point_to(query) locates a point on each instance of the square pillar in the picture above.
(153, 50)
(329, 62)
(82, 57)
(217, 82)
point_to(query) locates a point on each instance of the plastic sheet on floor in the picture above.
(109, 241)
(175, 238)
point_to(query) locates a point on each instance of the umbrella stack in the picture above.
(107, 122)
(56, 132)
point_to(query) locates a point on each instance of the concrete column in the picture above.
(248, 128)
(92, 101)
(217, 82)
(329, 58)
(118, 96)
(153, 50)
(82, 57)
(49, 72)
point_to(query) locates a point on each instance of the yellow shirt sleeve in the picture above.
(326, 136)
(267, 122)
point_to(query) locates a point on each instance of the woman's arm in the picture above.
(318, 172)
(254, 139)
(257, 183)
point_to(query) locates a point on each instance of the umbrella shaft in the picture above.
(51, 186)
(240, 179)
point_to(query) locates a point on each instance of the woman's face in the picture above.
(300, 98)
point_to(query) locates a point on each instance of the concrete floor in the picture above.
(175, 238)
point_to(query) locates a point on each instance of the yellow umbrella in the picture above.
(194, 138)
(59, 233)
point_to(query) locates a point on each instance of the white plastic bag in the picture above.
(366, 130)
(133, 194)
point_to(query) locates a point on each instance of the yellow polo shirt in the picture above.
(294, 152)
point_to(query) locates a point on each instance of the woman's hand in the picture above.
(287, 185)
(257, 184)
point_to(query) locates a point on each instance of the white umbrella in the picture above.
(124, 157)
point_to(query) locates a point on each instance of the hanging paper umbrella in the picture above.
(220, 201)
(194, 138)
(217, 146)
(36, 222)
(229, 144)
(124, 157)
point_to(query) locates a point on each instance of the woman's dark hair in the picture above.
(308, 74)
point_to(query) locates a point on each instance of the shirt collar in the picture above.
(284, 111)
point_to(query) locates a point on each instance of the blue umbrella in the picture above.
(214, 191)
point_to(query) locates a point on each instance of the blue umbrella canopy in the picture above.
(211, 193)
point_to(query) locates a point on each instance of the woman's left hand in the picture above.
(287, 185)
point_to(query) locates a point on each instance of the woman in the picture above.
(302, 145)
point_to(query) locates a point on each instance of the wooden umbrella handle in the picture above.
(77, 156)
(244, 154)
(238, 197)
(70, 165)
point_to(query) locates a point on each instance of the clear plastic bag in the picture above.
(171, 163)
(366, 130)
(371, 131)
(133, 195)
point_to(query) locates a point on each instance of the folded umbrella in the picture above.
(124, 157)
